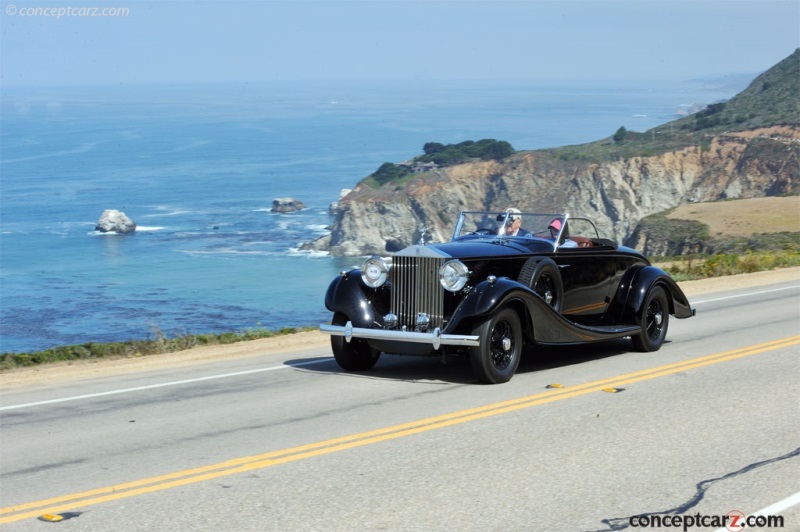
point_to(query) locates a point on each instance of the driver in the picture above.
(514, 223)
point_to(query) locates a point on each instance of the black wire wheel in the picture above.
(355, 355)
(543, 277)
(655, 321)
(496, 360)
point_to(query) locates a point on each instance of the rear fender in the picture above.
(637, 284)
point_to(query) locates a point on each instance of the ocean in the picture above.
(197, 168)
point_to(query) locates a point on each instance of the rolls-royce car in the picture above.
(506, 282)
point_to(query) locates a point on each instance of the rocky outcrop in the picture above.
(615, 194)
(287, 205)
(333, 208)
(114, 221)
(659, 236)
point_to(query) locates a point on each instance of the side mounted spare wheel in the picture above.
(355, 355)
(542, 276)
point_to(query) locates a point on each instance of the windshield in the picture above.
(523, 225)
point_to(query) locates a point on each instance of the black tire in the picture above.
(496, 360)
(655, 321)
(543, 277)
(355, 355)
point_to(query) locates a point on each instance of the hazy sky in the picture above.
(414, 41)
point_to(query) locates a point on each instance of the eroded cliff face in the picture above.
(616, 195)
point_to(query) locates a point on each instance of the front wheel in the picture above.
(496, 360)
(655, 320)
(355, 355)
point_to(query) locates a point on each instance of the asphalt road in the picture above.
(705, 427)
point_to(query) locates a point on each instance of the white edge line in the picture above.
(773, 509)
(780, 506)
(747, 294)
(164, 384)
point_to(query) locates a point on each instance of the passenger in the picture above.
(555, 227)
(514, 223)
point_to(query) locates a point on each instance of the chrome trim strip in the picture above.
(435, 338)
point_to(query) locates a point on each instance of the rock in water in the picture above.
(114, 221)
(287, 205)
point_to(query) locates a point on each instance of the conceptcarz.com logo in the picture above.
(734, 521)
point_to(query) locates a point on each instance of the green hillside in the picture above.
(772, 99)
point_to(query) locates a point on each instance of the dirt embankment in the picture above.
(304, 341)
(744, 217)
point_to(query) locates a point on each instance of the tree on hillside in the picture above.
(620, 135)
(497, 150)
(432, 147)
(450, 154)
(389, 172)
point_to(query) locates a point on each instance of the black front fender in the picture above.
(348, 295)
(485, 297)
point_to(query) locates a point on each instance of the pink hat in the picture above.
(556, 224)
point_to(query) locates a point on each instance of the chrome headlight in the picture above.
(374, 272)
(453, 275)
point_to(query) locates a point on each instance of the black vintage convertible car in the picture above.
(486, 294)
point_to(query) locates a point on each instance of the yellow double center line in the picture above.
(240, 465)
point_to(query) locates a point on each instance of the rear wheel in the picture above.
(355, 355)
(655, 321)
(496, 360)
(543, 277)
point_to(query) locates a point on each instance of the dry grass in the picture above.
(744, 217)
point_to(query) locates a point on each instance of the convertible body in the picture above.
(487, 293)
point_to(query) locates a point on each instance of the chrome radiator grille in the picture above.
(415, 289)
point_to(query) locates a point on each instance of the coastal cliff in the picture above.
(747, 147)
(615, 194)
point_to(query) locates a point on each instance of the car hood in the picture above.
(499, 247)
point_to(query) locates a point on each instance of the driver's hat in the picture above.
(514, 214)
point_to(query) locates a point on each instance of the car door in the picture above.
(590, 278)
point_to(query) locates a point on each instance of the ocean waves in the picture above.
(79, 150)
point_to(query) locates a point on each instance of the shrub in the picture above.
(451, 154)
(389, 172)
(136, 348)
(432, 147)
(718, 265)
(730, 264)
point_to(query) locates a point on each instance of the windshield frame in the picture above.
(493, 224)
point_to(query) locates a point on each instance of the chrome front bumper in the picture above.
(434, 338)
